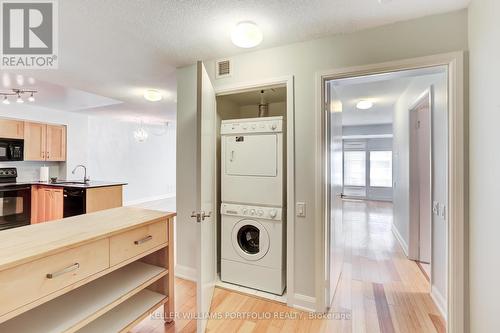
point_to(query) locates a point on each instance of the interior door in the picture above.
(334, 225)
(205, 212)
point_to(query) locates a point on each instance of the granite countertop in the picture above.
(91, 184)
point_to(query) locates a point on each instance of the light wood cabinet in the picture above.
(102, 198)
(43, 142)
(56, 143)
(47, 204)
(11, 129)
(57, 277)
(35, 136)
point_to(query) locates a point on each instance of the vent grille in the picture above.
(223, 68)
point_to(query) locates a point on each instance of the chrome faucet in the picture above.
(85, 179)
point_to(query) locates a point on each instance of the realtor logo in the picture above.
(29, 34)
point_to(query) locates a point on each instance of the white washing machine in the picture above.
(252, 253)
(252, 161)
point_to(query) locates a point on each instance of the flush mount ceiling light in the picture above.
(364, 105)
(246, 35)
(153, 95)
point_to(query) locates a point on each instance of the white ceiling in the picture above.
(383, 90)
(271, 95)
(118, 48)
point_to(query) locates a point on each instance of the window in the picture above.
(381, 168)
(354, 168)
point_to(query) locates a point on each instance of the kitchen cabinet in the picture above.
(44, 142)
(56, 143)
(102, 198)
(11, 129)
(103, 272)
(47, 204)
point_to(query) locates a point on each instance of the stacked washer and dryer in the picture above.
(252, 209)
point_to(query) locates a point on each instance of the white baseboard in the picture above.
(303, 302)
(440, 302)
(400, 239)
(148, 199)
(185, 272)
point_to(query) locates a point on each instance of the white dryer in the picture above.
(252, 161)
(252, 252)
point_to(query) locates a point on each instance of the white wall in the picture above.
(107, 147)
(148, 167)
(76, 140)
(484, 177)
(431, 35)
(401, 178)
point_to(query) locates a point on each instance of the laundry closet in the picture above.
(251, 191)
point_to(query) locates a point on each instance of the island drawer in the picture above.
(129, 244)
(28, 282)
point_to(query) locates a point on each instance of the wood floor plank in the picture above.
(379, 291)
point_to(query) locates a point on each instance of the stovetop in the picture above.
(8, 175)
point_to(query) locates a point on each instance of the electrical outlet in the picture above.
(301, 209)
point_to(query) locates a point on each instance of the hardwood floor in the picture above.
(380, 291)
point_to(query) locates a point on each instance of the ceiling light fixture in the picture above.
(153, 95)
(246, 35)
(19, 93)
(364, 105)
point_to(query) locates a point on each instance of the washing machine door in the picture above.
(250, 239)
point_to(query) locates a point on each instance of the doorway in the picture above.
(452, 118)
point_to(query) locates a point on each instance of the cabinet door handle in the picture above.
(68, 269)
(143, 240)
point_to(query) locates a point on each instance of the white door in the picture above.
(420, 176)
(205, 211)
(334, 227)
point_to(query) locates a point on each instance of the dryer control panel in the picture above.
(258, 212)
(252, 125)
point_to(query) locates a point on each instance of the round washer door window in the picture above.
(250, 239)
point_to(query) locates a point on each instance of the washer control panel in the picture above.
(252, 125)
(259, 212)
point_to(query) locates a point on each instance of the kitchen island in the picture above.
(98, 272)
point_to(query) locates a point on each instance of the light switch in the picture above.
(435, 208)
(301, 209)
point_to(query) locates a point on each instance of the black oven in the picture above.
(11, 150)
(15, 206)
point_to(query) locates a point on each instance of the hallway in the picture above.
(380, 290)
(380, 287)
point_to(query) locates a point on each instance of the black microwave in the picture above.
(11, 150)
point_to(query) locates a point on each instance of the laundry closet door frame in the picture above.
(288, 82)
(457, 314)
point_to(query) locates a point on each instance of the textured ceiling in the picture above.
(118, 48)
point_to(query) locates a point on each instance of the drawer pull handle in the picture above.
(143, 240)
(63, 271)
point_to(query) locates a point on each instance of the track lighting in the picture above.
(18, 93)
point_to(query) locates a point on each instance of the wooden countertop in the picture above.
(24, 244)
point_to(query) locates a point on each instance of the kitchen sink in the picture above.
(62, 182)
